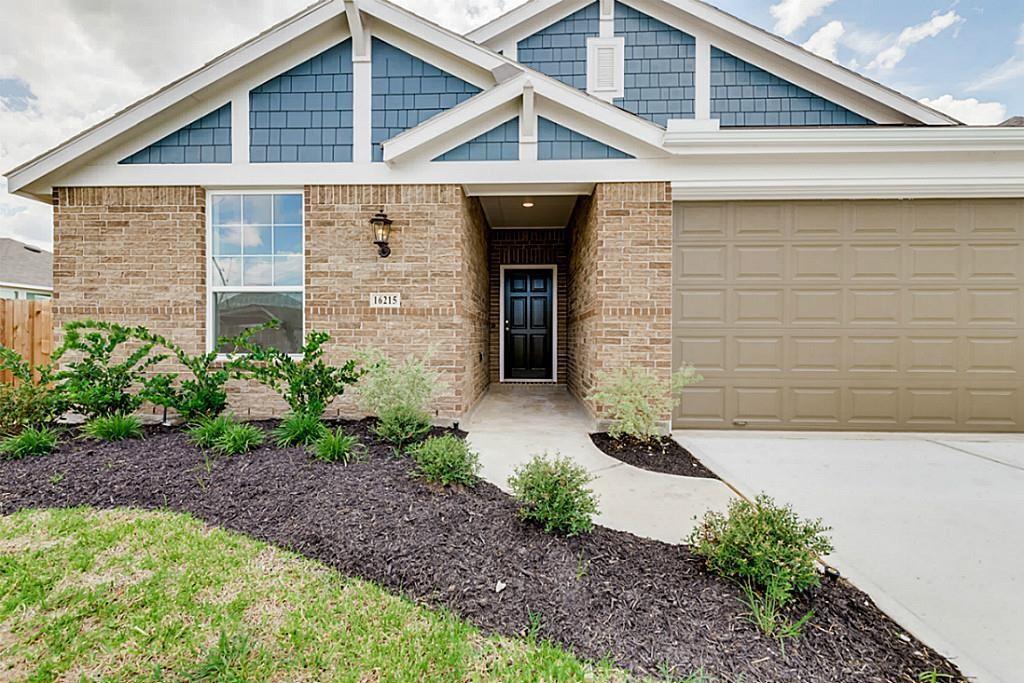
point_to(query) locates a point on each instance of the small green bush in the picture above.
(337, 446)
(238, 438)
(402, 425)
(205, 431)
(202, 395)
(299, 429)
(32, 399)
(446, 460)
(113, 428)
(387, 385)
(29, 442)
(637, 402)
(764, 545)
(554, 493)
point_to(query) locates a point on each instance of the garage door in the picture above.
(860, 315)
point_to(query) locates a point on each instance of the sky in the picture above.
(67, 64)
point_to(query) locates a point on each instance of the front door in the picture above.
(528, 324)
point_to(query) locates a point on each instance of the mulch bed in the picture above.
(649, 605)
(658, 455)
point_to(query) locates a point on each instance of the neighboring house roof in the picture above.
(25, 265)
(1013, 122)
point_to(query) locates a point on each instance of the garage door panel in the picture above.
(874, 315)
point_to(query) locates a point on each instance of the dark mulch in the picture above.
(650, 605)
(658, 455)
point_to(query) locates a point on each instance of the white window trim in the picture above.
(554, 322)
(594, 46)
(211, 289)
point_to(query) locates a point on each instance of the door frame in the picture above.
(554, 320)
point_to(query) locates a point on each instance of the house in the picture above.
(577, 186)
(26, 271)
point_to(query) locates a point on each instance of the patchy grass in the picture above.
(129, 595)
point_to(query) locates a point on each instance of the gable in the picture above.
(207, 140)
(560, 50)
(556, 142)
(498, 144)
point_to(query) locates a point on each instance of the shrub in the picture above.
(29, 442)
(337, 446)
(31, 401)
(299, 429)
(402, 425)
(113, 428)
(553, 492)
(205, 431)
(387, 385)
(308, 384)
(764, 545)
(238, 438)
(636, 401)
(203, 395)
(446, 460)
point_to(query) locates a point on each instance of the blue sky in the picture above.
(67, 64)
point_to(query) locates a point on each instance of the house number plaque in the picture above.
(385, 300)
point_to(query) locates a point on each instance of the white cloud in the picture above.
(792, 14)
(969, 110)
(1010, 70)
(894, 54)
(826, 39)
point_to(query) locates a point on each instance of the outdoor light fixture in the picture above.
(381, 225)
(527, 205)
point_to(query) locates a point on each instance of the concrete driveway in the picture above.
(931, 526)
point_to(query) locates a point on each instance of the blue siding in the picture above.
(204, 141)
(305, 114)
(560, 50)
(555, 142)
(745, 95)
(497, 144)
(660, 62)
(407, 91)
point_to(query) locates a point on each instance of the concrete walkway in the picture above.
(931, 526)
(515, 422)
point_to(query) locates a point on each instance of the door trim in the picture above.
(554, 320)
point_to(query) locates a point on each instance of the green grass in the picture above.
(113, 428)
(31, 442)
(129, 595)
(238, 438)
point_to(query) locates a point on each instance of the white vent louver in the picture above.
(605, 67)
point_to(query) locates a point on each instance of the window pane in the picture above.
(235, 313)
(258, 270)
(288, 209)
(227, 271)
(227, 241)
(288, 270)
(227, 209)
(257, 240)
(287, 240)
(256, 209)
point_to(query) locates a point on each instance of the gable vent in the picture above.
(605, 67)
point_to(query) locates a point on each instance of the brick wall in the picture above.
(620, 284)
(476, 301)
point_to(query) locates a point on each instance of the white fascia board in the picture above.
(21, 285)
(185, 87)
(524, 20)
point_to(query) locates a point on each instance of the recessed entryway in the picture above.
(528, 315)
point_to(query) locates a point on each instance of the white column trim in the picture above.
(702, 80)
(240, 126)
(607, 24)
(362, 103)
(528, 125)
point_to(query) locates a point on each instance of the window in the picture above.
(255, 270)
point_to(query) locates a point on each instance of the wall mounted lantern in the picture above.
(381, 225)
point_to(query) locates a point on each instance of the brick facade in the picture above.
(620, 284)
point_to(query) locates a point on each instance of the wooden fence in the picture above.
(27, 327)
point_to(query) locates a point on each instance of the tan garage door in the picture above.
(880, 315)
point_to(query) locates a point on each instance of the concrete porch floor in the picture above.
(512, 423)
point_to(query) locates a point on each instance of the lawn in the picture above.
(133, 595)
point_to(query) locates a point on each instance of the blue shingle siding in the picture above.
(204, 141)
(560, 50)
(407, 91)
(660, 62)
(497, 144)
(556, 142)
(745, 95)
(305, 114)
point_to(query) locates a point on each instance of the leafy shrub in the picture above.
(299, 429)
(387, 385)
(238, 438)
(206, 430)
(446, 460)
(764, 545)
(113, 428)
(31, 400)
(202, 395)
(402, 425)
(95, 384)
(337, 446)
(29, 442)
(636, 401)
(553, 492)
(308, 383)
